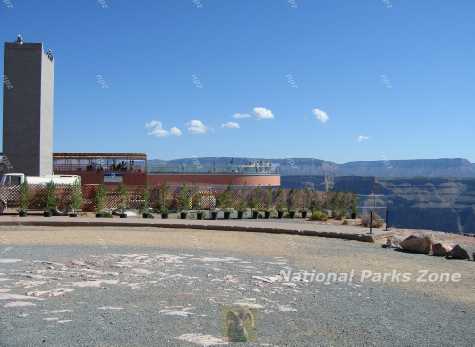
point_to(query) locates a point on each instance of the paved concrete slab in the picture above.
(297, 227)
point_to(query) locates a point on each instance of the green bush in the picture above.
(76, 197)
(184, 199)
(51, 202)
(319, 216)
(123, 197)
(339, 214)
(100, 198)
(24, 197)
(146, 201)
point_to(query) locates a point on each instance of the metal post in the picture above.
(387, 219)
(371, 222)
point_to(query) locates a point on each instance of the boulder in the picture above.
(392, 242)
(441, 249)
(421, 244)
(458, 252)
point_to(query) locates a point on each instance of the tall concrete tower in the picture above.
(28, 95)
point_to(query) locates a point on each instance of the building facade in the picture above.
(28, 108)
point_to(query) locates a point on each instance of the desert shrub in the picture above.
(163, 197)
(123, 197)
(280, 200)
(100, 198)
(76, 197)
(24, 196)
(184, 198)
(224, 199)
(339, 214)
(146, 200)
(378, 222)
(51, 202)
(319, 216)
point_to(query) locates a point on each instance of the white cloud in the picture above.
(263, 113)
(196, 126)
(175, 131)
(156, 129)
(231, 125)
(362, 138)
(241, 115)
(321, 116)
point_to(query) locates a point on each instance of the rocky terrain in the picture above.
(143, 287)
(443, 204)
(455, 167)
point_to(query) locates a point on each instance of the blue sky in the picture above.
(388, 79)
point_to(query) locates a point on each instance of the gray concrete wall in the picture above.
(28, 109)
(47, 116)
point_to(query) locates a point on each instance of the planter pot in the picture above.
(183, 215)
(214, 215)
(72, 215)
(47, 213)
(23, 213)
(255, 214)
(240, 214)
(199, 215)
(304, 214)
(165, 215)
(227, 214)
(291, 214)
(267, 214)
(123, 215)
(280, 214)
(353, 216)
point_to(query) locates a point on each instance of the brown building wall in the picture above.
(97, 177)
(138, 179)
(215, 179)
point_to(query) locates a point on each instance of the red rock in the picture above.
(417, 244)
(441, 249)
(458, 252)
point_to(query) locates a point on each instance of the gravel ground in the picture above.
(140, 287)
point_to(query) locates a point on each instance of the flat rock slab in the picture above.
(269, 226)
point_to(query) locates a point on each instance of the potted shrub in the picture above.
(50, 200)
(280, 212)
(123, 200)
(224, 201)
(184, 201)
(199, 215)
(280, 203)
(353, 207)
(214, 214)
(146, 204)
(163, 199)
(24, 200)
(268, 203)
(304, 213)
(164, 213)
(100, 202)
(76, 199)
(252, 203)
(241, 208)
(291, 202)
